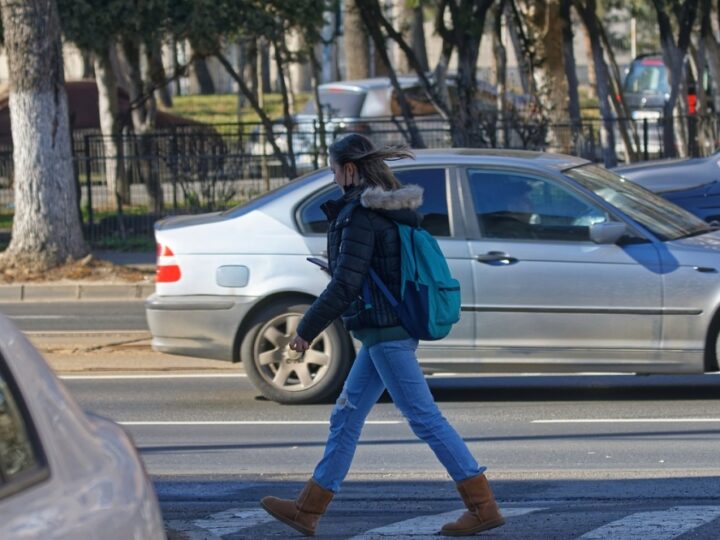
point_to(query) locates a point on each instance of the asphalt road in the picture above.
(85, 315)
(511, 424)
(570, 457)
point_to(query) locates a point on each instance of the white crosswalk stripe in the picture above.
(657, 525)
(229, 521)
(426, 527)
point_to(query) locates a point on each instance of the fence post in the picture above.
(88, 183)
(315, 144)
(174, 167)
(646, 135)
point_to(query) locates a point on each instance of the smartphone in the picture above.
(320, 262)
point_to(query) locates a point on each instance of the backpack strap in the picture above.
(381, 286)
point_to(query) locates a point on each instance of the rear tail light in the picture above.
(166, 270)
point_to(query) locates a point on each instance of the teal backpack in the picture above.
(429, 302)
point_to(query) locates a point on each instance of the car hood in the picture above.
(701, 250)
(672, 174)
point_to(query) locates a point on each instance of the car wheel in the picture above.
(278, 373)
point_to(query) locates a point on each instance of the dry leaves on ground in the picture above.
(85, 269)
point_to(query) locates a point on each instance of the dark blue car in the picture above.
(693, 183)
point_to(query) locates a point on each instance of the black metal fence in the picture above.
(125, 185)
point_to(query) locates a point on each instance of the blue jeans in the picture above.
(392, 365)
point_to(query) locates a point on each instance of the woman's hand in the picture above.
(298, 344)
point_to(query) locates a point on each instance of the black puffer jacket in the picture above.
(362, 234)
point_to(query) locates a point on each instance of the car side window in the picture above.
(312, 219)
(511, 205)
(20, 453)
(436, 219)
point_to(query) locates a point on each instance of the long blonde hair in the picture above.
(369, 160)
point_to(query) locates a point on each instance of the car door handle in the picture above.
(495, 257)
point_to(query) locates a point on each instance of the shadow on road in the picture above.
(574, 387)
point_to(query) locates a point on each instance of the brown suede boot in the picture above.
(483, 512)
(303, 513)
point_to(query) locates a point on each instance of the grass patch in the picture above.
(223, 108)
(6, 221)
(99, 215)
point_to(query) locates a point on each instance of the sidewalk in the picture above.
(88, 290)
(117, 352)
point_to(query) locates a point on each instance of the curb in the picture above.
(75, 291)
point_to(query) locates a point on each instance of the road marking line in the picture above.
(660, 525)
(154, 376)
(42, 317)
(249, 423)
(622, 420)
(94, 333)
(428, 526)
(230, 521)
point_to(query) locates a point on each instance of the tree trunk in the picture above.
(546, 26)
(712, 53)
(264, 73)
(412, 30)
(570, 70)
(588, 10)
(627, 130)
(251, 67)
(156, 71)
(592, 79)
(176, 63)
(674, 57)
(519, 42)
(110, 127)
(500, 75)
(468, 20)
(287, 115)
(46, 227)
(370, 19)
(355, 40)
(143, 120)
(87, 65)
(316, 73)
(200, 79)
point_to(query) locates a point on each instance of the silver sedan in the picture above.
(564, 267)
(64, 474)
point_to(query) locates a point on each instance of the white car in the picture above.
(64, 474)
(563, 267)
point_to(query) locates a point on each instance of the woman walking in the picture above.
(363, 235)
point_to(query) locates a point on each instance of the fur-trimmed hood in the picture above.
(407, 197)
(400, 205)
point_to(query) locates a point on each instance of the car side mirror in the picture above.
(607, 232)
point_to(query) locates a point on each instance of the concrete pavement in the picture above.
(114, 352)
(88, 290)
(104, 351)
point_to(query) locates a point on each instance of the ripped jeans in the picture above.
(392, 365)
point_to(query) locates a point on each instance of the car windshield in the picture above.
(647, 77)
(338, 103)
(664, 219)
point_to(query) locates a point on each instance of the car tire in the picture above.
(270, 365)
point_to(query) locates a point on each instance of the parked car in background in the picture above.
(646, 89)
(564, 267)
(347, 106)
(693, 183)
(371, 106)
(64, 474)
